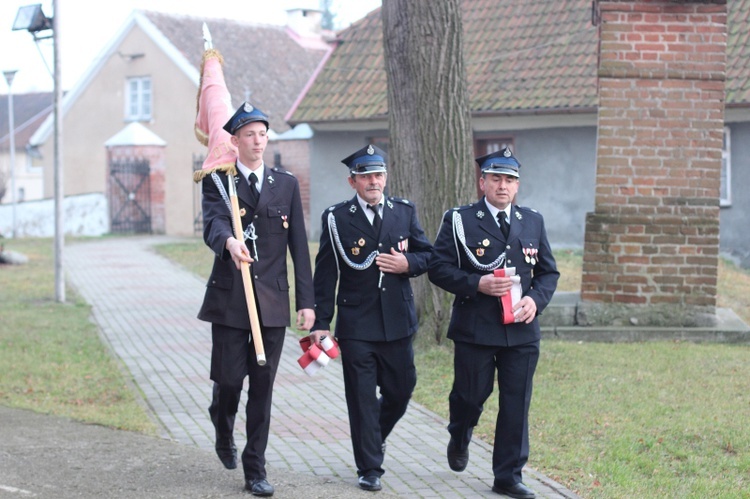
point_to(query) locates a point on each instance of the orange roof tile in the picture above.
(538, 56)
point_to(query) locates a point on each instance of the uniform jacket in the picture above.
(279, 224)
(476, 317)
(361, 315)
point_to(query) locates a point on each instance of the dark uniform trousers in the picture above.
(232, 359)
(367, 366)
(474, 371)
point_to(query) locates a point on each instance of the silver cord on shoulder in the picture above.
(222, 191)
(249, 232)
(333, 232)
(458, 233)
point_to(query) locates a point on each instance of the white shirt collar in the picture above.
(247, 171)
(494, 211)
(363, 204)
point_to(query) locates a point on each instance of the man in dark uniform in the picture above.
(372, 245)
(272, 218)
(471, 244)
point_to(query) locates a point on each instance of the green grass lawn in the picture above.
(52, 359)
(637, 420)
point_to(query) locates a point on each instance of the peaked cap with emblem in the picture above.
(245, 114)
(369, 159)
(502, 162)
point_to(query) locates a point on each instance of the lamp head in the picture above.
(32, 19)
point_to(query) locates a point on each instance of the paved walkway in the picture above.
(145, 307)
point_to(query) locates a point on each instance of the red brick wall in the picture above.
(652, 243)
(295, 157)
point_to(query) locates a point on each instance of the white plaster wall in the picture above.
(83, 215)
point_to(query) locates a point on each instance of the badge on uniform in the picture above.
(355, 251)
(243, 212)
(361, 242)
(284, 222)
(530, 255)
(403, 246)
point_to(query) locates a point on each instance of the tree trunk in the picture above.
(430, 151)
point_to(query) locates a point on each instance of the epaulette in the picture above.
(526, 208)
(281, 170)
(401, 200)
(337, 205)
(461, 208)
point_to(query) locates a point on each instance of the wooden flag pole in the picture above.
(260, 353)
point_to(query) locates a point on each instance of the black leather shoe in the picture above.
(517, 490)
(227, 452)
(371, 483)
(457, 458)
(259, 487)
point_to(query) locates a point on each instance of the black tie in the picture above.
(502, 217)
(254, 194)
(376, 220)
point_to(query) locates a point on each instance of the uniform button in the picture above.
(383, 289)
(509, 261)
(507, 247)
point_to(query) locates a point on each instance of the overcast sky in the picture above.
(87, 26)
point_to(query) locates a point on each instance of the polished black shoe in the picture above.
(457, 458)
(227, 452)
(259, 487)
(371, 483)
(517, 490)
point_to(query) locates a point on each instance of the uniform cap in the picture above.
(369, 159)
(502, 162)
(245, 114)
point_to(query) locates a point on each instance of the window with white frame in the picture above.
(725, 197)
(138, 99)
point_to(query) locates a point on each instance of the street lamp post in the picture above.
(32, 19)
(9, 75)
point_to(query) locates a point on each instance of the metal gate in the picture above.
(130, 196)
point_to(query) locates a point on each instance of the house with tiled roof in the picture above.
(29, 112)
(143, 86)
(532, 80)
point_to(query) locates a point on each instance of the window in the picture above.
(138, 99)
(487, 146)
(725, 196)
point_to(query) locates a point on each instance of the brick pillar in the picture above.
(155, 155)
(652, 244)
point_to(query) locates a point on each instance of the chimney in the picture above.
(305, 20)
